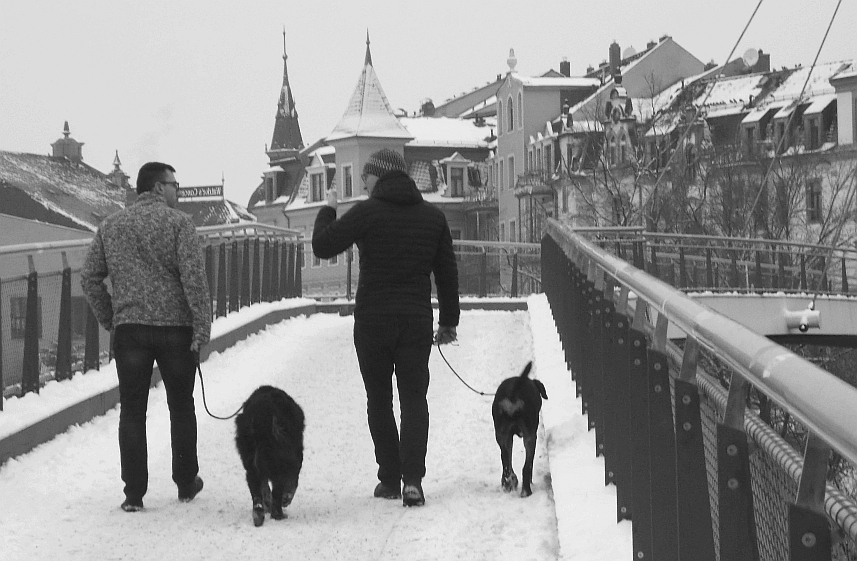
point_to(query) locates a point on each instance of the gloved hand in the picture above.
(445, 334)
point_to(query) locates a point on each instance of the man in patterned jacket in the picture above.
(159, 310)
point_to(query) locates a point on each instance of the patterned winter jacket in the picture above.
(152, 255)
(402, 240)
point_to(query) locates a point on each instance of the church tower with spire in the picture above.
(286, 144)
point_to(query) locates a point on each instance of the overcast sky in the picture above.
(195, 83)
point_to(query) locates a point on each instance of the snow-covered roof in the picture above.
(215, 212)
(557, 82)
(368, 113)
(67, 193)
(444, 131)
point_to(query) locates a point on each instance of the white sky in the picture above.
(196, 83)
(71, 484)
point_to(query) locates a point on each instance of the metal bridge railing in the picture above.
(699, 474)
(724, 264)
(48, 331)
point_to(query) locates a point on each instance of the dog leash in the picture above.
(471, 388)
(202, 384)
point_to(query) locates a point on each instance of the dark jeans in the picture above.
(402, 343)
(136, 349)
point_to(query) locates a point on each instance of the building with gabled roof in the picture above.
(60, 188)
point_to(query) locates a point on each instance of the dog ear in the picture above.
(541, 388)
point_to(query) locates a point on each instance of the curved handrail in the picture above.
(824, 404)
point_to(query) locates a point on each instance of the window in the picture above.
(512, 234)
(530, 160)
(317, 184)
(564, 198)
(18, 315)
(502, 177)
(548, 159)
(502, 232)
(333, 261)
(539, 158)
(510, 124)
(269, 189)
(813, 140)
(347, 181)
(456, 234)
(520, 110)
(457, 181)
(813, 201)
(512, 176)
(751, 141)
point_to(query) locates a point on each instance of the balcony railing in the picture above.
(537, 182)
(481, 198)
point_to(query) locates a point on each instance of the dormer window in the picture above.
(456, 181)
(347, 181)
(316, 187)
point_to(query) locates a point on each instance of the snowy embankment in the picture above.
(61, 500)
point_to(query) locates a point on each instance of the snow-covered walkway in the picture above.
(61, 500)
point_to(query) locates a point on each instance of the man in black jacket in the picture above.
(402, 240)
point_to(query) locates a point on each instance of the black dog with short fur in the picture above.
(516, 412)
(269, 434)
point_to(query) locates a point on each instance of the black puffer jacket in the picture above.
(402, 240)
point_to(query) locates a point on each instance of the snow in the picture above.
(443, 131)
(61, 500)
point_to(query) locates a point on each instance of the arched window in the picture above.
(500, 119)
(520, 110)
(510, 124)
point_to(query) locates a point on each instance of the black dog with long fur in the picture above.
(269, 434)
(516, 412)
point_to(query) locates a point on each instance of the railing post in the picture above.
(619, 427)
(221, 281)
(844, 278)
(515, 274)
(709, 270)
(63, 365)
(736, 511)
(638, 412)
(284, 270)
(2, 383)
(31, 370)
(758, 273)
(653, 265)
(299, 288)
(245, 274)
(265, 294)
(695, 533)
(483, 274)
(682, 269)
(662, 450)
(275, 293)
(734, 280)
(234, 278)
(256, 282)
(803, 283)
(809, 530)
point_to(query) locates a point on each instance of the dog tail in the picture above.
(527, 369)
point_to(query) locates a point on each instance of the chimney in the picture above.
(764, 64)
(651, 44)
(565, 67)
(615, 58)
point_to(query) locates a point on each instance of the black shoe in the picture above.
(412, 495)
(131, 505)
(388, 491)
(188, 492)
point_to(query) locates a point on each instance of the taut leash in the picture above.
(471, 388)
(202, 384)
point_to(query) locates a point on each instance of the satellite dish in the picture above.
(751, 57)
(629, 52)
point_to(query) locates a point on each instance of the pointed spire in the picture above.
(65, 130)
(287, 131)
(116, 162)
(369, 113)
(368, 61)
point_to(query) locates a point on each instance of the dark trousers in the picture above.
(403, 344)
(136, 348)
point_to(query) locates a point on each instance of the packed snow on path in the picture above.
(61, 501)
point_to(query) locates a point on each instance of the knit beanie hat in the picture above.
(384, 161)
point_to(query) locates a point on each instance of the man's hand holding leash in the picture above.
(445, 334)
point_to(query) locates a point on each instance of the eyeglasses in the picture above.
(175, 184)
